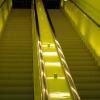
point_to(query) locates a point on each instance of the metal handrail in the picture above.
(2, 3)
(67, 72)
(96, 23)
(42, 75)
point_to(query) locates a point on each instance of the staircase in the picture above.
(16, 57)
(84, 69)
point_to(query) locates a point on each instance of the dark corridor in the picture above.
(22, 4)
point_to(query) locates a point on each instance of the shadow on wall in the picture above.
(22, 4)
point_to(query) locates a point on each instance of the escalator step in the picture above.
(90, 94)
(17, 76)
(16, 90)
(83, 67)
(20, 83)
(16, 97)
(16, 57)
(87, 86)
(87, 79)
(86, 73)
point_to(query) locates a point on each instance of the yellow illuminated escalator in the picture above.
(16, 57)
(83, 67)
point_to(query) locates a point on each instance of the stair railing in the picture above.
(43, 94)
(67, 72)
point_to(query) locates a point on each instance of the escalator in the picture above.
(83, 67)
(16, 57)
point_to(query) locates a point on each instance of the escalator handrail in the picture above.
(96, 23)
(2, 3)
(67, 71)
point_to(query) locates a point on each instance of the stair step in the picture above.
(24, 60)
(90, 94)
(86, 73)
(87, 79)
(79, 58)
(88, 86)
(75, 54)
(16, 57)
(14, 69)
(16, 83)
(16, 97)
(83, 63)
(17, 76)
(12, 64)
(16, 90)
(83, 68)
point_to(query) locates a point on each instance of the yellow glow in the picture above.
(61, 78)
(45, 90)
(68, 74)
(95, 45)
(94, 39)
(83, 25)
(59, 95)
(65, 0)
(1, 21)
(74, 90)
(1, 26)
(41, 61)
(48, 45)
(50, 53)
(5, 9)
(53, 64)
(83, 29)
(44, 26)
(60, 51)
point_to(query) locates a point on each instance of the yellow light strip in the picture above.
(50, 53)
(53, 64)
(61, 78)
(48, 45)
(59, 95)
